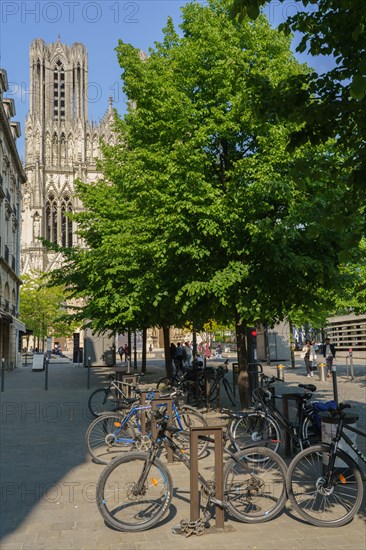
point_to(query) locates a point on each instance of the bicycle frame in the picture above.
(340, 435)
(133, 413)
(271, 410)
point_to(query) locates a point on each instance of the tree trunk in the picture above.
(134, 350)
(292, 346)
(168, 359)
(143, 358)
(129, 342)
(243, 378)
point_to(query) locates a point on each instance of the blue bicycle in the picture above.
(111, 434)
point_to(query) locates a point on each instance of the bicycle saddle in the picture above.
(125, 403)
(309, 387)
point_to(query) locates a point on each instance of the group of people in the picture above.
(124, 351)
(181, 354)
(310, 356)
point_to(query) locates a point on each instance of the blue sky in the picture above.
(98, 25)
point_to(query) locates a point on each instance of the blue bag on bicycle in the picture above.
(319, 406)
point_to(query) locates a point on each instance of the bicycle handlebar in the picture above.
(339, 409)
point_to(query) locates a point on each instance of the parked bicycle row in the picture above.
(135, 489)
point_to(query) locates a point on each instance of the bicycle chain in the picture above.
(188, 528)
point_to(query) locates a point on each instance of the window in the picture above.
(51, 219)
(66, 223)
(58, 85)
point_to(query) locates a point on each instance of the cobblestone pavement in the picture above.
(48, 480)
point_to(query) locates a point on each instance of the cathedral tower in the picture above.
(60, 146)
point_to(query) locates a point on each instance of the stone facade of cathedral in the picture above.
(61, 145)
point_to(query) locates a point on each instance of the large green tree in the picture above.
(203, 212)
(207, 160)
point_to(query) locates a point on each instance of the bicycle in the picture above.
(262, 424)
(324, 483)
(134, 492)
(111, 434)
(109, 398)
(194, 385)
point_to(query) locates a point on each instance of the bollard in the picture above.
(2, 373)
(88, 382)
(46, 375)
(334, 380)
(321, 368)
(281, 372)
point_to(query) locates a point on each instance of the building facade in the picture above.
(348, 333)
(61, 145)
(12, 179)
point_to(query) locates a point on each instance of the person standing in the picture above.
(329, 354)
(312, 357)
(179, 357)
(306, 356)
(218, 351)
(121, 352)
(188, 355)
(207, 350)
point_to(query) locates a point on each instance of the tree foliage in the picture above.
(334, 103)
(203, 211)
(43, 308)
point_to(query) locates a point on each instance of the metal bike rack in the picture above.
(154, 406)
(349, 366)
(143, 395)
(125, 378)
(216, 431)
(286, 398)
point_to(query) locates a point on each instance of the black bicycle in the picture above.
(325, 483)
(262, 424)
(134, 492)
(204, 386)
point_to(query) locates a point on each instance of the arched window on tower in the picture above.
(66, 223)
(51, 219)
(58, 90)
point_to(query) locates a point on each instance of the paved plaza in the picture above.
(48, 479)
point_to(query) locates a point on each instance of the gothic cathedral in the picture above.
(61, 145)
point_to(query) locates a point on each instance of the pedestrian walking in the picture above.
(179, 357)
(207, 350)
(306, 356)
(218, 351)
(121, 352)
(127, 352)
(188, 354)
(329, 353)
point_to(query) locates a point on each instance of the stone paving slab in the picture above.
(48, 480)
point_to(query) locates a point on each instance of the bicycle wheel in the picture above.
(101, 401)
(256, 429)
(133, 495)
(165, 382)
(189, 387)
(310, 430)
(255, 485)
(322, 503)
(188, 418)
(106, 439)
